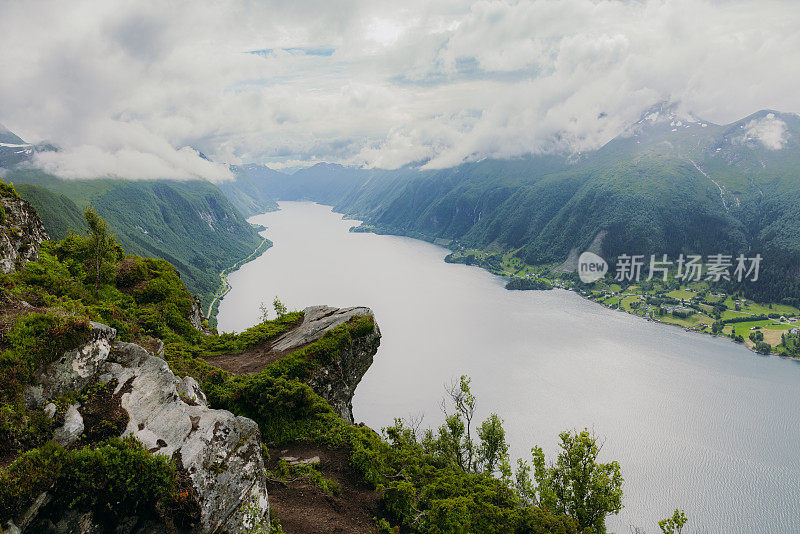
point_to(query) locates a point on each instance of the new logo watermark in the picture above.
(687, 268)
(591, 267)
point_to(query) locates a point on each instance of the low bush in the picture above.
(118, 477)
(35, 340)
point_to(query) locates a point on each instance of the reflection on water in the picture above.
(696, 422)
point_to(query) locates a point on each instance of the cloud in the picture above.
(769, 130)
(123, 86)
(93, 161)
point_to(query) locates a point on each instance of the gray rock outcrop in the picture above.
(336, 382)
(196, 316)
(220, 451)
(21, 233)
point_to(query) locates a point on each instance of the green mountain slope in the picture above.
(59, 214)
(190, 224)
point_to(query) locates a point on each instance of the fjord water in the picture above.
(696, 422)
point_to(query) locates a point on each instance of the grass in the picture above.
(682, 294)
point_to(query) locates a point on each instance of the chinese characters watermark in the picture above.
(689, 268)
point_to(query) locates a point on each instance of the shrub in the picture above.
(35, 340)
(29, 475)
(119, 476)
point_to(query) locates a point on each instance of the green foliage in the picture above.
(280, 309)
(102, 247)
(137, 296)
(539, 284)
(791, 343)
(492, 451)
(327, 349)
(763, 347)
(22, 428)
(423, 489)
(118, 477)
(285, 409)
(35, 340)
(7, 190)
(29, 475)
(674, 524)
(308, 472)
(274, 523)
(230, 343)
(576, 484)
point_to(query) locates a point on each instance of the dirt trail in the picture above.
(303, 508)
(253, 359)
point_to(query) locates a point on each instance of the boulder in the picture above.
(71, 430)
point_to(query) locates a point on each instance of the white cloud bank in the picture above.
(769, 130)
(121, 86)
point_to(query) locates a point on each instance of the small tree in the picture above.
(460, 423)
(763, 348)
(674, 524)
(280, 309)
(492, 451)
(454, 440)
(102, 246)
(576, 484)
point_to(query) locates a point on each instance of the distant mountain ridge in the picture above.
(671, 183)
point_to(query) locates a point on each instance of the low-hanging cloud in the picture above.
(139, 89)
(769, 130)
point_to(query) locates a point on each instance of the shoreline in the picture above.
(213, 308)
(373, 230)
(685, 329)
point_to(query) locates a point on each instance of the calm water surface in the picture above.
(696, 422)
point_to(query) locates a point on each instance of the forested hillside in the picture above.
(59, 214)
(190, 224)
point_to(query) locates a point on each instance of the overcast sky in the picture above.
(132, 88)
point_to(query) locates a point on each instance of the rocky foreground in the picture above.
(220, 452)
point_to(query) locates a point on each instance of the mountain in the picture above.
(190, 224)
(248, 190)
(671, 183)
(13, 150)
(59, 214)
